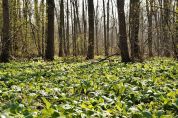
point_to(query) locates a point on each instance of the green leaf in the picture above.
(160, 113)
(147, 114)
(48, 104)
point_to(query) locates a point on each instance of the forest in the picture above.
(88, 59)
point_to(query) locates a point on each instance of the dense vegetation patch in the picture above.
(79, 89)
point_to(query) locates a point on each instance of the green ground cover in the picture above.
(75, 89)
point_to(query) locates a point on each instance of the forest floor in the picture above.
(73, 88)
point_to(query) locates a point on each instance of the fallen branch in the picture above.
(117, 54)
(106, 58)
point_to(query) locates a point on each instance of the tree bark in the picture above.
(96, 28)
(84, 28)
(49, 56)
(134, 29)
(90, 54)
(61, 33)
(176, 39)
(166, 21)
(42, 10)
(74, 31)
(105, 36)
(149, 7)
(122, 32)
(37, 21)
(67, 31)
(108, 26)
(6, 41)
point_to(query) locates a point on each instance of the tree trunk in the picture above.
(67, 30)
(166, 21)
(105, 37)
(108, 26)
(49, 56)
(78, 27)
(90, 54)
(42, 10)
(149, 5)
(6, 41)
(176, 39)
(157, 27)
(134, 29)
(37, 21)
(13, 15)
(74, 31)
(61, 33)
(122, 32)
(96, 28)
(85, 29)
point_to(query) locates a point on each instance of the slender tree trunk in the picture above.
(20, 33)
(85, 29)
(25, 16)
(78, 28)
(96, 28)
(42, 10)
(105, 37)
(6, 41)
(67, 30)
(77, 16)
(90, 54)
(157, 27)
(74, 31)
(13, 16)
(50, 31)
(166, 21)
(176, 39)
(37, 18)
(149, 5)
(61, 33)
(108, 26)
(134, 29)
(112, 39)
(142, 46)
(122, 32)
